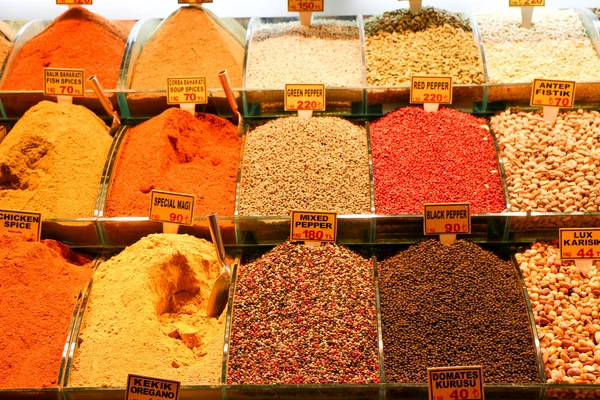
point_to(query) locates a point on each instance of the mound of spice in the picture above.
(77, 38)
(304, 315)
(148, 306)
(432, 41)
(187, 45)
(52, 161)
(565, 301)
(39, 286)
(316, 164)
(550, 167)
(434, 157)
(327, 51)
(178, 152)
(555, 47)
(454, 305)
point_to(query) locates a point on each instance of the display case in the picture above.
(465, 97)
(262, 101)
(500, 95)
(14, 103)
(145, 103)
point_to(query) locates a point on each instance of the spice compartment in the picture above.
(532, 225)
(146, 103)
(275, 229)
(334, 390)
(117, 232)
(466, 97)
(55, 393)
(14, 103)
(269, 101)
(523, 390)
(499, 96)
(71, 392)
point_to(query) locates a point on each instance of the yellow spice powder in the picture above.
(52, 161)
(147, 315)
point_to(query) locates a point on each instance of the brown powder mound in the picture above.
(39, 285)
(190, 43)
(76, 39)
(177, 152)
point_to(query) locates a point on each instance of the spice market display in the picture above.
(384, 294)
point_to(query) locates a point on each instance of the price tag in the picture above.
(307, 97)
(455, 383)
(579, 243)
(193, 1)
(146, 388)
(313, 226)
(26, 223)
(64, 82)
(526, 3)
(177, 208)
(550, 93)
(306, 5)
(186, 90)
(447, 218)
(431, 89)
(78, 2)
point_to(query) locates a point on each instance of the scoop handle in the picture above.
(215, 234)
(226, 84)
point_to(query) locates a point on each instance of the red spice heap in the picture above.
(76, 39)
(177, 152)
(446, 156)
(39, 285)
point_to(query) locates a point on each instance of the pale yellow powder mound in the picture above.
(52, 161)
(147, 315)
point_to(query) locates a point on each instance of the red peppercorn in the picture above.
(441, 157)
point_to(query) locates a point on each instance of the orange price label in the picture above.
(193, 1)
(177, 208)
(579, 243)
(187, 90)
(551, 93)
(431, 89)
(310, 97)
(306, 5)
(78, 2)
(64, 82)
(146, 388)
(455, 383)
(447, 218)
(26, 223)
(526, 3)
(313, 226)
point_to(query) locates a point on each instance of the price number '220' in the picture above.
(308, 105)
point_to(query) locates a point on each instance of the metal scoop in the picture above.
(237, 117)
(108, 107)
(220, 291)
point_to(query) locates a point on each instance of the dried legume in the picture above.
(555, 47)
(454, 305)
(291, 163)
(550, 168)
(431, 42)
(421, 157)
(565, 301)
(304, 315)
(327, 52)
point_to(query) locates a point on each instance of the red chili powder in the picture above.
(76, 39)
(39, 285)
(177, 152)
(434, 157)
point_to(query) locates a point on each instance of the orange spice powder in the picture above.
(76, 39)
